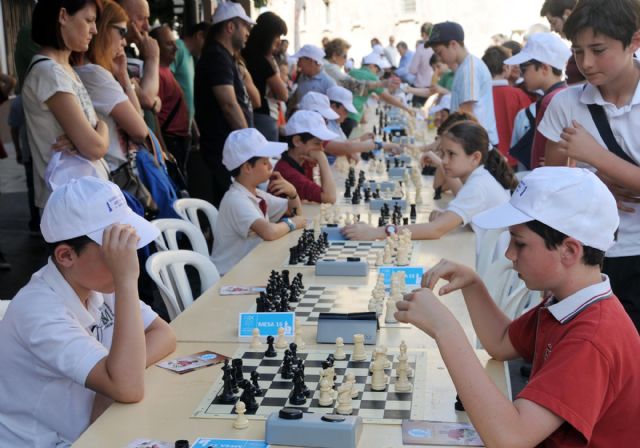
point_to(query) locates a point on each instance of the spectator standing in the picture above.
(406, 56)
(391, 53)
(420, 66)
(312, 77)
(221, 99)
(263, 43)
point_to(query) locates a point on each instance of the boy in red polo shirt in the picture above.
(585, 382)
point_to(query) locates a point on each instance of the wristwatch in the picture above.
(378, 146)
(391, 229)
(290, 223)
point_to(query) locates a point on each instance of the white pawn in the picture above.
(344, 400)
(339, 354)
(386, 257)
(378, 377)
(281, 342)
(391, 309)
(298, 340)
(351, 379)
(326, 393)
(241, 422)
(359, 353)
(256, 344)
(402, 383)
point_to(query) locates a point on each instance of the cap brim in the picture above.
(518, 59)
(323, 134)
(146, 231)
(350, 108)
(329, 113)
(271, 149)
(501, 217)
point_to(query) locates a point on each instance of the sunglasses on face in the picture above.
(122, 31)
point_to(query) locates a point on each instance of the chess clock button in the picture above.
(331, 418)
(290, 414)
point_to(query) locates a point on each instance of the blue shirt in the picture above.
(319, 83)
(472, 82)
(403, 68)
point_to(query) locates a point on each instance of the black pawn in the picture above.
(271, 351)
(458, 405)
(438, 193)
(237, 370)
(248, 396)
(297, 396)
(228, 394)
(255, 376)
(413, 214)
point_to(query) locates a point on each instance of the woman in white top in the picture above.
(103, 71)
(486, 180)
(57, 107)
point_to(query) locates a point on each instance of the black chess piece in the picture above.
(299, 277)
(255, 376)
(300, 366)
(438, 193)
(367, 194)
(293, 255)
(248, 396)
(413, 214)
(458, 404)
(347, 190)
(286, 370)
(388, 165)
(271, 351)
(294, 350)
(237, 369)
(297, 396)
(228, 394)
(285, 278)
(405, 221)
(396, 162)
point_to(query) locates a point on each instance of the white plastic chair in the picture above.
(168, 239)
(167, 269)
(188, 209)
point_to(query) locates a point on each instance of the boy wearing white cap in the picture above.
(305, 132)
(247, 214)
(312, 77)
(541, 62)
(583, 346)
(77, 336)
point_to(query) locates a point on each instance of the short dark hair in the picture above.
(336, 47)
(78, 244)
(45, 29)
(268, 27)
(434, 59)
(195, 29)
(402, 44)
(494, 58)
(514, 46)
(252, 161)
(538, 64)
(305, 137)
(553, 238)
(617, 19)
(556, 8)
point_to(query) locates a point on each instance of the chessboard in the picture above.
(341, 250)
(383, 407)
(333, 299)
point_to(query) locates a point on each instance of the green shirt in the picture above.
(363, 74)
(24, 52)
(183, 69)
(446, 80)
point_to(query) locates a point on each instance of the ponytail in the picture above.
(500, 170)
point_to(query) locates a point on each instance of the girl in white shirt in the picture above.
(486, 180)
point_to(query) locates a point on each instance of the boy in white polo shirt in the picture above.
(585, 376)
(247, 214)
(472, 89)
(77, 336)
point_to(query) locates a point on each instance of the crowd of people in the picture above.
(113, 120)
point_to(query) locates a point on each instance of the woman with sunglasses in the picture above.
(103, 70)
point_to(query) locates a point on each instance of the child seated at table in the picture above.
(77, 336)
(305, 131)
(247, 214)
(585, 379)
(486, 180)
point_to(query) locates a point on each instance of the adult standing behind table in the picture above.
(406, 56)
(263, 43)
(103, 71)
(221, 99)
(420, 66)
(57, 107)
(312, 77)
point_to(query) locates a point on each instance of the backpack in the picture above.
(521, 151)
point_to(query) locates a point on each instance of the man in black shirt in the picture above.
(221, 100)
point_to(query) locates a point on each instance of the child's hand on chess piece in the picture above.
(363, 232)
(424, 310)
(278, 186)
(458, 275)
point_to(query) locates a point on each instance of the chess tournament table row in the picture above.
(170, 399)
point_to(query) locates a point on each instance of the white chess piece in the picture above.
(344, 400)
(351, 379)
(256, 343)
(402, 382)
(386, 257)
(298, 339)
(391, 309)
(241, 422)
(379, 258)
(403, 358)
(359, 353)
(281, 341)
(339, 354)
(418, 200)
(326, 393)
(378, 377)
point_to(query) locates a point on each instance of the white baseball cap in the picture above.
(243, 144)
(318, 102)
(444, 103)
(547, 48)
(311, 122)
(342, 96)
(86, 207)
(570, 200)
(228, 10)
(311, 52)
(63, 167)
(375, 59)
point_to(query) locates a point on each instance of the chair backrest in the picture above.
(168, 239)
(188, 209)
(167, 270)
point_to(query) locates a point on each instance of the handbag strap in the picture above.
(604, 128)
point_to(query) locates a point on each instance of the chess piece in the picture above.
(339, 353)
(237, 370)
(378, 376)
(299, 341)
(256, 344)
(297, 396)
(379, 259)
(351, 379)
(386, 256)
(326, 393)
(271, 352)
(413, 214)
(458, 404)
(241, 421)
(248, 395)
(228, 395)
(286, 372)
(345, 406)
(359, 353)
(255, 377)
(403, 358)
(281, 342)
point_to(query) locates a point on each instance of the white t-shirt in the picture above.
(232, 236)
(472, 82)
(480, 192)
(335, 127)
(106, 93)
(44, 80)
(50, 343)
(571, 104)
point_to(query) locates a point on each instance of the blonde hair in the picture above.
(100, 46)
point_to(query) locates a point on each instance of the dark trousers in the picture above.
(348, 125)
(178, 146)
(624, 275)
(34, 212)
